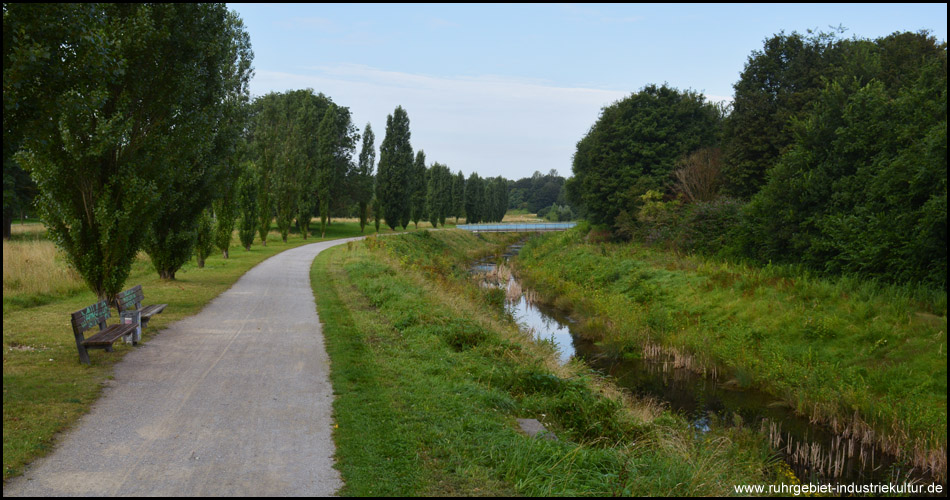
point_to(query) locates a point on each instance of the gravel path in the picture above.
(235, 400)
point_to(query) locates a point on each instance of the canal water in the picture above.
(813, 451)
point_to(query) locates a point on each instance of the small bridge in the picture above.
(534, 227)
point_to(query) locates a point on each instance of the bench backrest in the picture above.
(92, 316)
(130, 299)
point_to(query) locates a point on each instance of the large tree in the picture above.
(284, 137)
(634, 146)
(395, 163)
(306, 114)
(344, 168)
(113, 105)
(208, 172)
(32, 55)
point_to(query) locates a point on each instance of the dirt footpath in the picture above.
(235, 400)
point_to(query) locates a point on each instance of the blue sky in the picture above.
(506, 89)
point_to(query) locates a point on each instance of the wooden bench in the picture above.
(96, 315)
(131, 300)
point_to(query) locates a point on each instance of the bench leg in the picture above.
(83, 354)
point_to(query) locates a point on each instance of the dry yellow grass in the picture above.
(522, 218)
(30, 228)
(37, 267)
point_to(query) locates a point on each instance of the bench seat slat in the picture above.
(149, 311)
(109, 335)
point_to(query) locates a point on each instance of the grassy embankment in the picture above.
(868, 359)
(45, 387)
(430, 376)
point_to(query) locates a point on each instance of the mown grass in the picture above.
(430, 375)
(864, 357)
(45, 388)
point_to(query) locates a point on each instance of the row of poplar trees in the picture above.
(300, 163)
(406, 190)
(128, 119)
(135, 125)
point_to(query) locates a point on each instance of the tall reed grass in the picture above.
(37, 267)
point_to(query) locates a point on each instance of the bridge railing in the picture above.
(518, 228)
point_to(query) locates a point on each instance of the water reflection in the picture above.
(543, 327)
(523, 307)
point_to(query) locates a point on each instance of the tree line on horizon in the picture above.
(832, 155)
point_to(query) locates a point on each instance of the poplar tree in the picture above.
(247, 207)
(344, 168)
(279, 189)
(308, 112)
(363, 178)
(488, 208)
(395, 162)
(225, 213)
(418, 186)
(265, 210)
(458, 196)
(496, 199)
(328, 143)
(377, 212)
(204, 238)
(439, 187)
(474, 199)
(445, 192)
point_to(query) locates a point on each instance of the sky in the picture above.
(507, 89)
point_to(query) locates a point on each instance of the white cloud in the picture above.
(489, 124)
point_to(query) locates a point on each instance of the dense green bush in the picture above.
(863, 188)
(634, 146)
(841, 145)
(708, 226)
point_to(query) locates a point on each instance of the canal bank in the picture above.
(678, 315)
(432, 381)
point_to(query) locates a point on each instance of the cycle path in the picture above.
(233, 401)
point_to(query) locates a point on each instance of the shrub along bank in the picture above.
(430, 376)
(866, 358)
